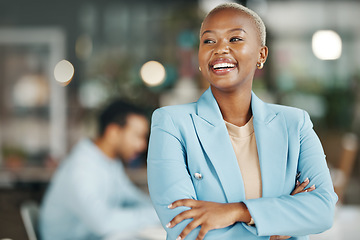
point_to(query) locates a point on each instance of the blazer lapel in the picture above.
(216, 143)
(271, 139)
(272, 143)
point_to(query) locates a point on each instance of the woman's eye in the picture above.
(208, 41)
(235, 39)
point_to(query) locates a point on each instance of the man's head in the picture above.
(123, 130)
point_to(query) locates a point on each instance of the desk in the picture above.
(346, 225)
(9, 177)
(38, 174)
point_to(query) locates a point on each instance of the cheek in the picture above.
(203, 56)
(127, 140)
(141, 143)
(248, 53)
(135, 142)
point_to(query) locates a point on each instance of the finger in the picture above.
(203, 231)
(277, 237)
(284, 237)
(300, 187)
(191, 226)
(179, 218)
(310, 189)
(182, 202)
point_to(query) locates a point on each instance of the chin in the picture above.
(224, 87)
(131, 158)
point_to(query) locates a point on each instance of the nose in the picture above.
(221, 48)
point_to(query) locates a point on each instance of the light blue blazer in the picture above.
(192, 138)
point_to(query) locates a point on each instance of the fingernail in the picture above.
(306, 180)
(168, 225)
(306, 190)
(178, 238)
(170, 206)
(313, 186)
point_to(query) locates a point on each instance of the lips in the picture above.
(222, 66)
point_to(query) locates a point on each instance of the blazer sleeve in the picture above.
(304, 213)
(168, 177)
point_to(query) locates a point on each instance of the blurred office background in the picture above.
(61, 61)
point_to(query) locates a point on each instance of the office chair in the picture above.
(29, 213)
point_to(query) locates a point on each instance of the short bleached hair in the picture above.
(256, 18)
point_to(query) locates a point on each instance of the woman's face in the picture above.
(229, 49)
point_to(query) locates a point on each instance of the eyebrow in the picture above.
(231, 30)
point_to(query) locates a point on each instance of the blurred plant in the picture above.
(340, 106)
(14, 157)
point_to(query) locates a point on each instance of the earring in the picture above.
(200, 69)
(260, 65)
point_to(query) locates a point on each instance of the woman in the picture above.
(226, 166)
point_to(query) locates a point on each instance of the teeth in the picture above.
(224, 65)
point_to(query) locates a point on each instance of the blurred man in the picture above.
(90, 196)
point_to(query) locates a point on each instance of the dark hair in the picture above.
(117, 112)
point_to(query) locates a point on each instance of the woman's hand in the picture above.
(299, 188)
(208, 215)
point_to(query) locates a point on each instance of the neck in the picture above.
(105, 147)
(235, 106)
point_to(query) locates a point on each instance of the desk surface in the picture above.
(43, 174)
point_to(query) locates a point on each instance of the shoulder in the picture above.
(85, 157)
(288, 111)
(268, 111)
(175, 112)
(82, 150)
(292, 115)
(178, 110)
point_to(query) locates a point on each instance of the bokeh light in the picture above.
(93, 93)
(64, 72)
(326, 45)
(31, 90)
(153, 73)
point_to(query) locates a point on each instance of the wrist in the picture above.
(242, 213)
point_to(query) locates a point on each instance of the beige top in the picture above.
(244, 144)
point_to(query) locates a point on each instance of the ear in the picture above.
(263, 54)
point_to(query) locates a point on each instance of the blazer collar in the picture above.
(208, 109)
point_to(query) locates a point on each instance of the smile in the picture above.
(222, 67)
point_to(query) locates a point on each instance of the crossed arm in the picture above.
(212, 215)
